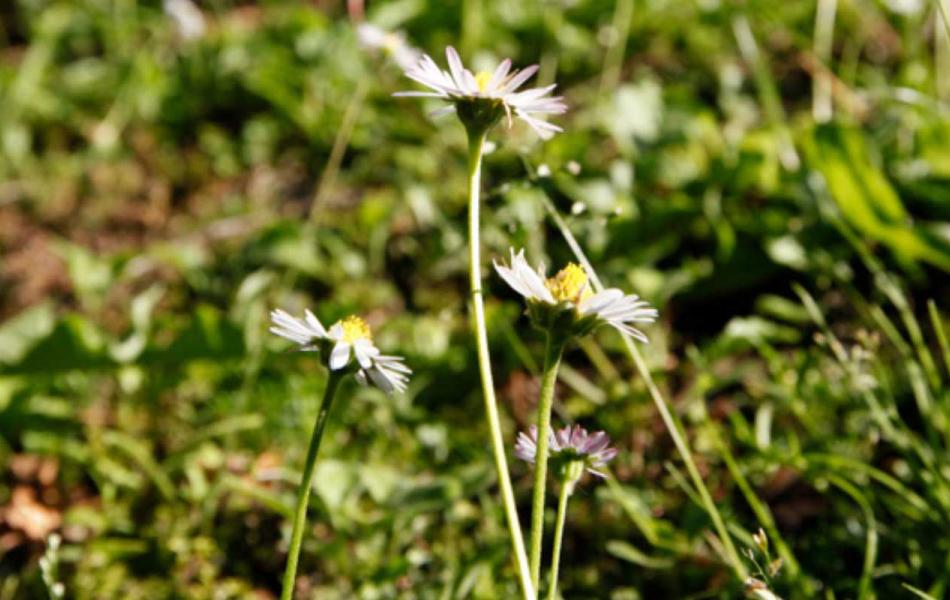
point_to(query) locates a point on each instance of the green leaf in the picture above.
(74, 343)
(24, 330)
(865, 197)
(629, 553)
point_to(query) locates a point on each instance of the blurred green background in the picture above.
(773, 176)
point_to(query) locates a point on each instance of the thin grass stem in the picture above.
(340, 142)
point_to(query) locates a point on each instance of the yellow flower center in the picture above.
(391, 42)
(355, 328)
(482, 79)
(569, 285)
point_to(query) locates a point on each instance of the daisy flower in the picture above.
(482, 99)
(345, 340)
(392, 43)
(570, 444)
(188, 18)
(566, 301)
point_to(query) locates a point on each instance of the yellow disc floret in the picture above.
(569, 285)
(355, 328)
(482, 79)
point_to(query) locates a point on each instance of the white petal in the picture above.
(519, 78)
(442, 111)
(363, 351)
(292, 328)
(531, 278)
(392, 363)
(455, 67)
(339, 356)
(634, 333)
(499, 75)
(600, 300)
(528, 95)
(382, 381)
(420, 95)
(315, 323)
(513, 280)
(544, 129)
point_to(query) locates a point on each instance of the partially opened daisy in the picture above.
(482, 99)
(565, 304)
(345, 340)
(569, 444)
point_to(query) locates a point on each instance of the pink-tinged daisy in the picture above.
(569, 444)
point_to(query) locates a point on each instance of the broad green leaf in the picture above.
(865, 197)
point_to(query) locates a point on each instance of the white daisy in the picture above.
(392, 43)
(188, 18)
(496, 91)
(346, 339)
(569, 291)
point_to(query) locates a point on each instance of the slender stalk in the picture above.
(558, 537)
(342, 140)
(552, 360)
(941, 52)
(300, 518)
(669, 420)
(821, 106)
(620, 31)
(476, 139)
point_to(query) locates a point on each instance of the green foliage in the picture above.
(159, 196)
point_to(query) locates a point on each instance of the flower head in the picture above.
(189, 20)
(569, 445)
(481, 99)
(347, 338)
(567, 302)
(391, 43)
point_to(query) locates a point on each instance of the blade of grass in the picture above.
(822, 108)
(767, 91)
(613, 59)
(761, 510)
(865, 589)
(937, 324)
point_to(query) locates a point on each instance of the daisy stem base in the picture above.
(552, 362)
(476, 140)
(303, 499)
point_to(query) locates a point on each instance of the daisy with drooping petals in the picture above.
(569, 444)
(482, 99)
(567, 300)
(348, 338)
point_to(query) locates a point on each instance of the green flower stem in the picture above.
(476, 139)
(552, 360)
(567, 488)
(300, 518)
(669, 420)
